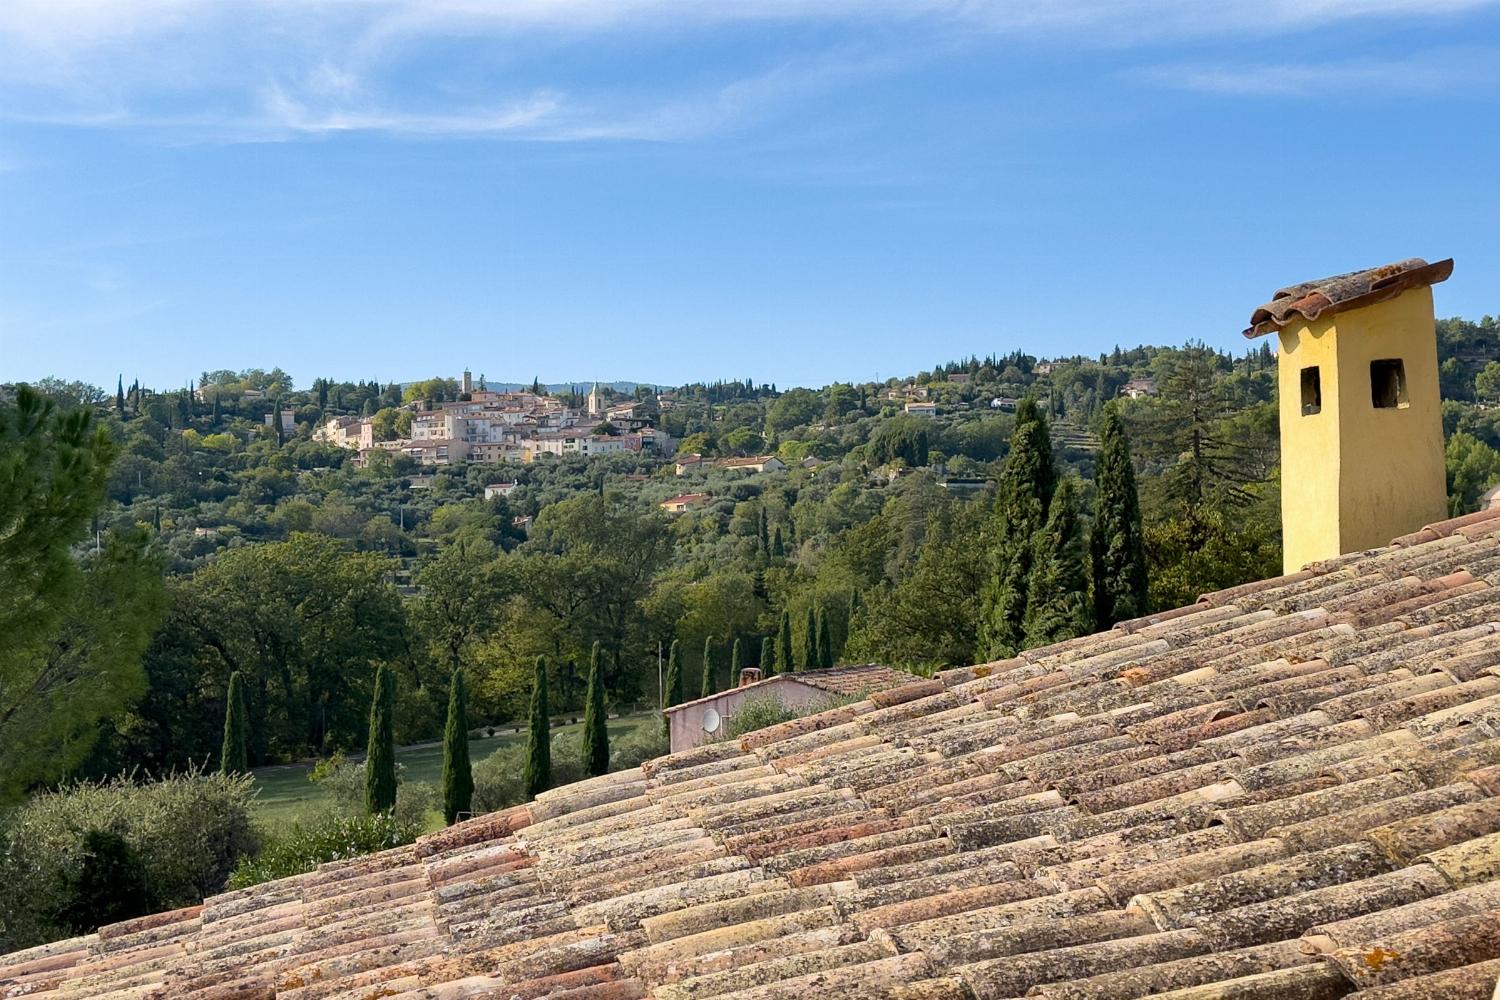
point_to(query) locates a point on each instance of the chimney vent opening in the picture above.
(1388, 384)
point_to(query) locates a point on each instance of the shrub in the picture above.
(186, 832)
(758, 713)
(499, 779)
(302, 847)
(108, 885)
(342, 829)
(646, 741)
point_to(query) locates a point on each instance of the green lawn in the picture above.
(284, 794)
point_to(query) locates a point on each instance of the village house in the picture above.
(684, 502)
(1138, 387)
(919, 409)
(758, 463)
(288, 420)
(689, 463)
(494, 490)
(959, 378)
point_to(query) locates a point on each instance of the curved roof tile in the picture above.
(1311, 300)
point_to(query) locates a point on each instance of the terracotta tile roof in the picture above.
(1290, 789)
(1326, 296)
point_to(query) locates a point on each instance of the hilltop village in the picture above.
(485, 426)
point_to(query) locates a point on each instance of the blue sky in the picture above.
(789, 190)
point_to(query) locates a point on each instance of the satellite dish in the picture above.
(711, 721)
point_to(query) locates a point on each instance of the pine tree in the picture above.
(120, 397)
(767, 662)
(736, 661)
(233, 758)
(458, 776)
(380, 752)
(1022, 499)
(807, 656)
(784, 662)
(1116, 539)
(595, 732)
(539, 736)
(825, 640)
(708, 667)
(1057, 603)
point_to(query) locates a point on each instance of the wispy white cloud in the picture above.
(1420, 74)
(266, 70)
(284, 112)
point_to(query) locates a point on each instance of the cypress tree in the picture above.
(218, 412)
(1057, 604)
(595, 732)
(232, 757)
(120, 397)
(1116, 540)
(763, 534)
(458, 776)
(380, 752)
(778, 547)
(708, 667)
(1022, 499)
(674, 675)
(736, 661)
(784, 662)
(767, 662)
(825, 640)
(539, 737)
(807, 656)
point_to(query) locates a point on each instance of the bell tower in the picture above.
(1361, 418)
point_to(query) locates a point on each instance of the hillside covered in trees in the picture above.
(164, 542)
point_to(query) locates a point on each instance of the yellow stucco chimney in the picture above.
(1361, 420)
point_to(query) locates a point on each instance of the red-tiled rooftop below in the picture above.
(1290, 789)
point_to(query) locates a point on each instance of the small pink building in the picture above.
(694, 723)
